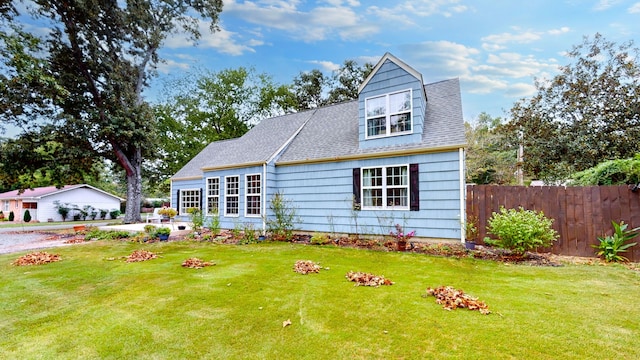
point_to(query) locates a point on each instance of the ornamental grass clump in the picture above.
(520, 230)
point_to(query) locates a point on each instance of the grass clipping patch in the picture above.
(306, 266)
(141, 255)
(36, 258)
(195, 263)
(367, 279)
(451, 299)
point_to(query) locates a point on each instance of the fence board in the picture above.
(580, 214)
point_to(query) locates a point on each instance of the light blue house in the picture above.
(394, 156)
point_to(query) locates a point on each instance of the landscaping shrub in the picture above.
(281, 227)
(96, 234)
(520, 230)
(11, 216)
(610, 246)
(63, 210)
(114, 214)
(27, 216)
(196, 218)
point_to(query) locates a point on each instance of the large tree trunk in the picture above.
(133, 169)
(134, 195)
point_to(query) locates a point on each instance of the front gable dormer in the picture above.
(391, 105)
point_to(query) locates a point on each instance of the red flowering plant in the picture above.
(401, 236)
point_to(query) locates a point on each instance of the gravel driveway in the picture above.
(15, 241)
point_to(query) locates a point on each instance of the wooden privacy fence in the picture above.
(580, 214)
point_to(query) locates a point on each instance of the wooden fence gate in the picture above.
(580, 214)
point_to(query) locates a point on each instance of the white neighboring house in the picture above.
(40, 201)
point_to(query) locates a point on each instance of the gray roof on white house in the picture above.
(330, 132)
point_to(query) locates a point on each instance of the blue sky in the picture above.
(496, 48)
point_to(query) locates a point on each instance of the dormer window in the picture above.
(389, 114)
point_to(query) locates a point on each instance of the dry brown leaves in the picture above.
(36, 258)
(306, 266)
(141, 255)
(75, 240)
(451, 299)
(195, 263)
(366, 279)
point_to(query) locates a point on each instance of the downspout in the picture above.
(463, 194)
(264, 199)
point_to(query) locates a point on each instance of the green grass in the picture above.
(10, 224)
(87, 306)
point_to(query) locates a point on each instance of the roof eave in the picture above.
(374, 155)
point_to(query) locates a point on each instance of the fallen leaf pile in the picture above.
(195, 263)
(36, 258)
(75, 240)
(141, 255)
(451, 299)
(366, 279)
(306, 266)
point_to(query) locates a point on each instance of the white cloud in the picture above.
(521, 38)
(315, 24)
(170, 66)
(325, 65)
(226, 42)
(634, 9)
(560, 31)
(605, 4)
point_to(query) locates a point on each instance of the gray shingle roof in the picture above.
(257, 145)
(330, 132)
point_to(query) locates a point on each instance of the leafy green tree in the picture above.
(87, 75)
(489, 159)
(610, 172)
(214, 106)
(346, 80)
(310, 87)
(587, 114)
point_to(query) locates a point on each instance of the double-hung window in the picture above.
(232, 195)
(189, 198)
(253, 198)
(389, 114)
(385, 187)
(6, 205)
(213, 195)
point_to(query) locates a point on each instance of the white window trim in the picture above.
(388, 115)
(246, 195)
(384, 188)
(225, 196)
(181, 200)
(206, 204)
(6, 205)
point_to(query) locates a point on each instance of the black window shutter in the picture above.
(414, 188)
(201, 193)
(178, 201)
(356, 189)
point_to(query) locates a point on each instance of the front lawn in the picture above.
(94, 305)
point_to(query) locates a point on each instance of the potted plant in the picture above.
(168, 212)
(470, 233)
(401, 238)
(162, 233)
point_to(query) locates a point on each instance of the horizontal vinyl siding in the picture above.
(322, 194)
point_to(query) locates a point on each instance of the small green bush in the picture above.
(12, 216)
(610, 246)
(27, 216)
(520, 230)
(114, 213)
(94, 233)
(320, 239)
